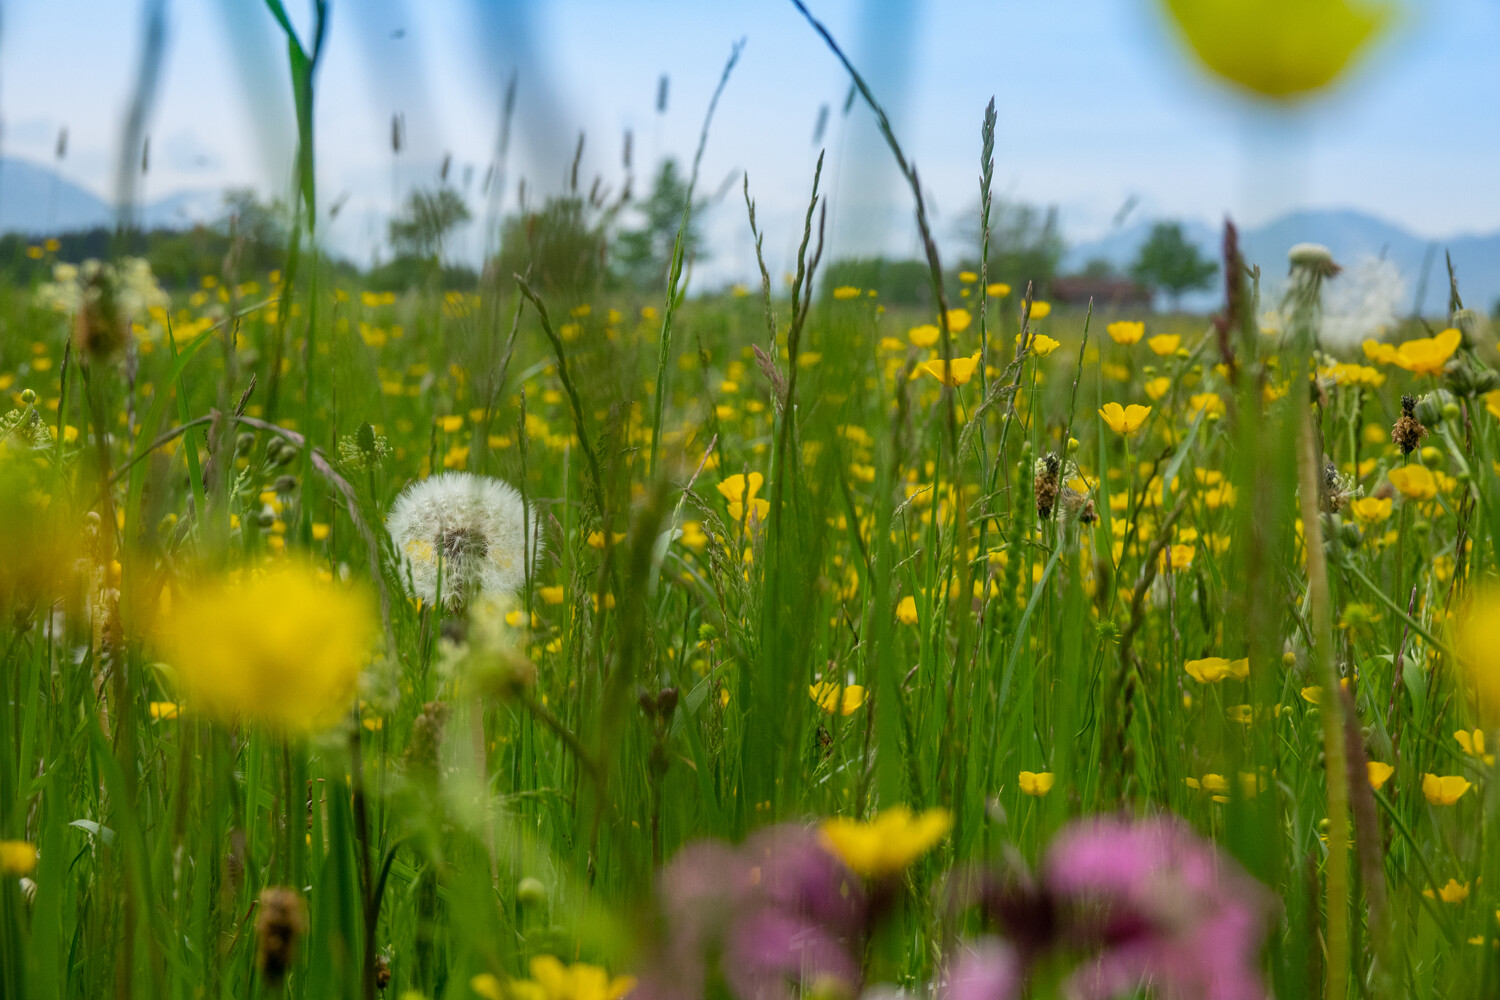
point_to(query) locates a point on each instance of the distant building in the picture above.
(1078, 289)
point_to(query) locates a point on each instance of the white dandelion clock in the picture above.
(464, 533)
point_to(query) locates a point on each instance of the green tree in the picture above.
(1025, 245)
(559, 249)
(643, 255)
(1170, 263)
(426, 222)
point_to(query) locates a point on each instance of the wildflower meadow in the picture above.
(509, 637)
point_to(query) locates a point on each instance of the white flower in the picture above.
(472, 530)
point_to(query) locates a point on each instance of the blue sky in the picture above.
(1096, 104)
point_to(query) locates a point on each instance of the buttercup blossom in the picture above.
(888, 843)
(837, 699)
(281, 648)
(1164, 343)
(1124, 419)
(1444, 789)
(1036, 783)
(1414, 482)
(1125, 331)
(1427, 355)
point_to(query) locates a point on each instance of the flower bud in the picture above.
(531, 892)
(280, 924)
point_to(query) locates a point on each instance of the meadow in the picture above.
(805, 646)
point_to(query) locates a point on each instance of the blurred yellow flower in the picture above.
(1379, 772)
(1164, 343)
(888, 843)
(925, 335)
(1281, 49)
(1414, 482)
(1125, 331)
(906, 610)
(1157, 387)
(1477, 643)
(281, 648)
(846, 292)
(841, 699)
(1037, 784)
(968, 277)
(552, 980)
(1124, 419)
(1212, 669)
(1371, 510)
(161, 710)
(1454, 892)
(17, 858)
(734, 490)
(958, 373)
(998, 290)
(1041, 344)
(1427, 355)
(1041, 310)
(1178, 556)
(1445, 789)
(1473, 744)
(959, 320)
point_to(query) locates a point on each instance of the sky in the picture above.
(1098, 109)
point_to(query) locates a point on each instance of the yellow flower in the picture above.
(487, 986)
(1383, 354)
(959, 320)
(17, 858)
(925, 335)
(906, 610)
(998, 290)
(1371, 510)
(1473, 744)
(451, 423)
(1215, 784)
(1454, 892)
(552, 595)
(846, 292)
(1428, 355)
(1164, 343)
(888, 843)
(1124, 419)
(1037, 783)
(1477, 643)
(552, 980)
(968, 277)
(1041, 310)
(1492, 403)
(838, 699)
(1414, 481)
(734, 490)
(281, 648)
(1444, 790)
(1208, 402)
(958, 373)
(1379, 772)
(1041, 344)
(1281, 49)
(1212, 669)
(1178, 556)
(1125, 332)
(164, 710)
(1157, 388)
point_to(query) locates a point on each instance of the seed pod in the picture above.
(1408, 431)
(382, 972)
(280, 924)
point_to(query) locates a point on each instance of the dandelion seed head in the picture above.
(472, 531)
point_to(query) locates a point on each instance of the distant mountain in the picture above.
(37, 200)
(1352, 236)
